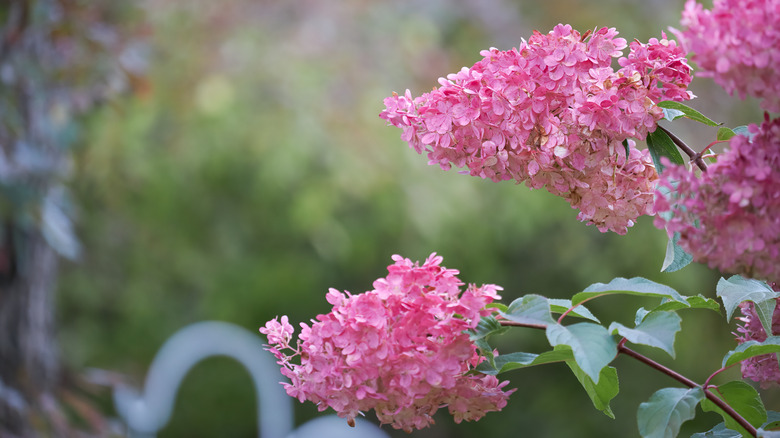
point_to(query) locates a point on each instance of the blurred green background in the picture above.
(254, 174)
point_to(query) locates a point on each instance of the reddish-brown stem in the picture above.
(696, 158)
(508, 323)
(707, 382)
(691, 384)
(570, 309)
(655, 365)
(709, 146)
(622, 349)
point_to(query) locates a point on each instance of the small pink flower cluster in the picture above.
(764, 368)
(400, 349)
(737, 43)
(553, 113)
(729, 217)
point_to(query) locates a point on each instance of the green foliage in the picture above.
(593, 346)
(719, 431)
(676, 258)
(600, 393)
(737, 289)
(773, 420)
(743, 130)
(661, 145)
(697, 302)
(681, 110)
(656, 329)
(725, 134)
(744, 399)
(529, 309)
(750, 349)
(630, 286)
(487, 326)
(672, 114)
(667, 409)
(564, 305)
(513, 361)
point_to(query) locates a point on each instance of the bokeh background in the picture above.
(252, 173)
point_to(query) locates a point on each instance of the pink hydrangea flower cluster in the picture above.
(737, 43)
(553, 113)
(400, 349)
(729, 217)
(764, 368)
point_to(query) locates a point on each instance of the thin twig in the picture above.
(696, 158)
(508, 323)
(570, 309)
(691, 384)
(665, 370)
(707, 382)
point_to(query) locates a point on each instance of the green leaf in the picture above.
(769, 429)
(738, 289)
(676, 258)
(630, 286)
(697, 302)
(640, 315)
(512, 361)
(593, 347)
(657, 329)
(750, 349)
(725, 134)
(672, 114)
(600, 393)
(498, 306)
(688, 111)
(719, 431)
(562, 305)
(744, 399)
(529, 309)
(661, 145)
(744, 130)
(773, 420)
(667, 410)
(487, 326)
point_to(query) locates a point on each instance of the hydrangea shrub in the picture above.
(554, 113)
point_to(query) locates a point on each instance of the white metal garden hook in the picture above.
(146, 413)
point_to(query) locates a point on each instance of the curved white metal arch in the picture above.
(148, 412)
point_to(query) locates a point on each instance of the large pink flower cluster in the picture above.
(553, 113)
(400, 349)
(737, 43)
(729, 217)
(764, 368)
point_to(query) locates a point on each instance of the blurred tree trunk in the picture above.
(32, 163)
(29, 363)
(58, 59)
